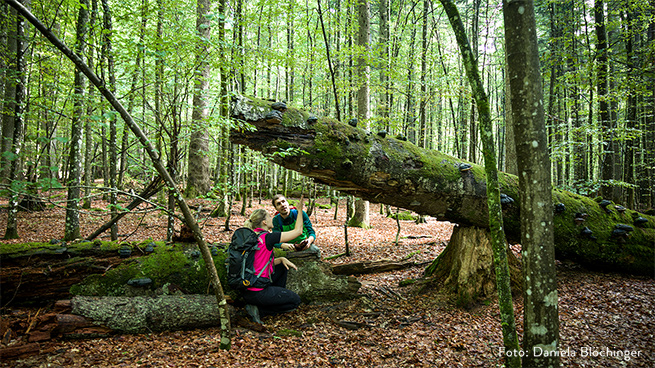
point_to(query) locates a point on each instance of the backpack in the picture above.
(240, 261)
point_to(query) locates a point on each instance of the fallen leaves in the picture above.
(392, 326)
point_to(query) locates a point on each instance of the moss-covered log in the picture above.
(384, 169)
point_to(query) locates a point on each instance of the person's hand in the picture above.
(287, 246)
(304, 244)
(300, 205)
(287, 263)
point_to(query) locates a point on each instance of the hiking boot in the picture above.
(253, 311)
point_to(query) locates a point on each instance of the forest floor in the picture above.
(606, 319)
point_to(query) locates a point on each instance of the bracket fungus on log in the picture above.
(435, 187)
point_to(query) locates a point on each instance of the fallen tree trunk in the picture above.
(387, 170)
(383, 265)
(145, 314)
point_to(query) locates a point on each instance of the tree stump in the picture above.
(465, 269)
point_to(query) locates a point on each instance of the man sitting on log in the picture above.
(285, 219)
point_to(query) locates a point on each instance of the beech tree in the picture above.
(72, 224)
(16, 123)
(361, 216)
(540, 321)
(199, 179)
(496, 227)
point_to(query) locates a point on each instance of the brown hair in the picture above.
(275, 198)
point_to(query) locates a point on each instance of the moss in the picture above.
(165, 266)
(603, 251)
(294, 116)
(8, 250)
(403, 216)
(110, 283)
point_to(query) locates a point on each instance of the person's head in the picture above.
(281, 205)
(259, 218)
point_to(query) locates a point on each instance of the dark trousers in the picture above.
(275, 298)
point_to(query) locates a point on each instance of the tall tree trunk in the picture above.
(4, 20)
(88, 128)
(421, 142)
(607, 129)
(72, 227)
(475, 34)
(409, 129)
(496, 227)
(631, 115)
(125, 142)
(384, 62)
(198, 182)
(9, 108)
(329, 62)
(540, 322)
(108, 52)
(647, 175)
(18, 127)
(291, 60)
(361, 216)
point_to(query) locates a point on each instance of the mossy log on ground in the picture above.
(39, 273)
(36, 273)
(384, 169)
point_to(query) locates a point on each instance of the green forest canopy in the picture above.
(275, 50)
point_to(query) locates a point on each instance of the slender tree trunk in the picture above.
(631, 116)
(332, 72)
(88, 128)
(4, 20)
(125, 142)
(384, 62)
(18, 127)
(9, 108)
(424, 74)
(496, 227)
(409, 129)
(361, 216)
(608, 144)
(475, 34)
(541, 323)
(290, 71)
(198, 181)
(646, 174)
(109, 57)
(72, 229)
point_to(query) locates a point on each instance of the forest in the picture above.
(510, 143)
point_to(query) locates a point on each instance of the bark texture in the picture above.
(540, 321)
(198, 182)
(502, 271)
(466, 266)
(395, 172)
(146, 314)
